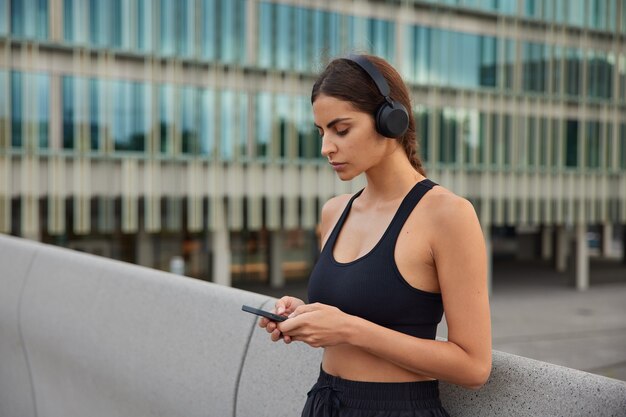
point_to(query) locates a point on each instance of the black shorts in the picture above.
(333, 396)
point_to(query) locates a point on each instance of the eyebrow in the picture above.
(334, 122)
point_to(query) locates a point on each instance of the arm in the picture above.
(458, 250)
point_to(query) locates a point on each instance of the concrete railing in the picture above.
(86, 336)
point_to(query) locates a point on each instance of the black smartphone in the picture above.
(263, 313)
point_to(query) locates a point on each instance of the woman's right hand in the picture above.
(283, 307)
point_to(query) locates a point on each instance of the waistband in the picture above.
(379, 395)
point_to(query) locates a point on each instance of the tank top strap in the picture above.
(404, 211)
(342, 219)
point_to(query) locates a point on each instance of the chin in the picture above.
(346, 176)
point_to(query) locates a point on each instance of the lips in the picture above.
(338, 165)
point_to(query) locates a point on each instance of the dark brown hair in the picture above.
(345, 80)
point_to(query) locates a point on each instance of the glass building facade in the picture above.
(177, 88)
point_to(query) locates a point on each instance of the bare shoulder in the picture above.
(452, 219)
(444, 205)
(331, 211)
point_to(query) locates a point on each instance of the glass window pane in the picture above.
(571, 143)
(263, 128)
(242, 125)
(145, 25)
(593, 144)
(43, 109)
(207, 123)
(68, 112)
(166, 118)
(228, 125)
(190, 137)
(284, 36)
(16, 109)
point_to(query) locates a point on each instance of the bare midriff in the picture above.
(353, 363)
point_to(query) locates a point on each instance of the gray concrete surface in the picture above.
(537, 313)
(105, 338)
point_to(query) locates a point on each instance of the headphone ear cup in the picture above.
(392, 120)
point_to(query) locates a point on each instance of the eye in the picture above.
(343, 132)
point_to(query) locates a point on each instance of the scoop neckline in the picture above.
(380, 240)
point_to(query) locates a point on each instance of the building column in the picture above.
(624, 244)
(277, 240)
(607, 240)
(582, 258)
(220, 245)
(561, 248)
(546, 243)
(145, 249)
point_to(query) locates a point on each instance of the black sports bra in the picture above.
(371, 286)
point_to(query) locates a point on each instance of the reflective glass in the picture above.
(29, 18)
(32, 90)
(263, 124)
(309, 140)
(167, 27)
(68, 112)
(284, 38)
(622, 77)
(571, 143)
(576, 12)
(483, 129)
(145, 25)
(207, 123)
(265, 49)
(187, 28)
(302, 47)
(4, 24)
(284, 123)
(190, 137)
(166, 118)
(4, 107)
(622, 139)
(469, 131)
(422, 120)
(232, 30)
(209, 29)
(573, 71)
(242, 125)
(534, 66)
(556, 69)
(599, 74)
(16, 109)
(130, 108)
(488, 59)
(593, 144)
(228, 125)
(42, 82)
(448, 130)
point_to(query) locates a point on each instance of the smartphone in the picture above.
(263, 313)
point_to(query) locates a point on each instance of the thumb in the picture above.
(305, 308)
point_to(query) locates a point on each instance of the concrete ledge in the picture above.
(87, 336)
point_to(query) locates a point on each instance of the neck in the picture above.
(391, 179)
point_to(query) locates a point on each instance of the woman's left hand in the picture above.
(318, 325)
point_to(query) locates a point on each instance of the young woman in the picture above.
(394, 256)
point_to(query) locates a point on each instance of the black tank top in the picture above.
(371, 286)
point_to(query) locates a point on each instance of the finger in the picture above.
(263, 322)
(287, 339)
(271, 326)
(305, 308)
(282, 305)
(275, 335)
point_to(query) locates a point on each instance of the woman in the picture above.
(389, 266)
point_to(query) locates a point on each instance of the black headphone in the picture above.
(392, 119)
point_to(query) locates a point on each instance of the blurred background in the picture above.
(178, 135)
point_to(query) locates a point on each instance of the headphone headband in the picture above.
(373, 72)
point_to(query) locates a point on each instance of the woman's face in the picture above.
(349, 138)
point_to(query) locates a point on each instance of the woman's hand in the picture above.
(317, 325)
(283, 307)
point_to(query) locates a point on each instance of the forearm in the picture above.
(443, 360)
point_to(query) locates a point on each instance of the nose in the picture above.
(328, 147)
